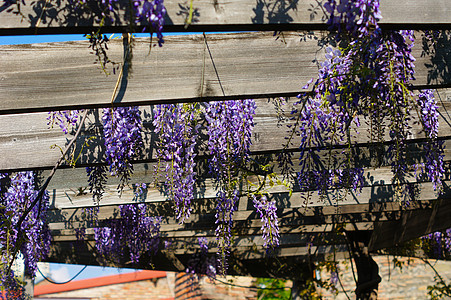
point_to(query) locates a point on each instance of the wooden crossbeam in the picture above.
(339, 214)
(26, 139)
(44, 17)
(377, 191)
(54, 76)
(69, 234)
(247, 223)
(302, 241)
(412, 224)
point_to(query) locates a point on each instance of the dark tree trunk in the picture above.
(368, 278)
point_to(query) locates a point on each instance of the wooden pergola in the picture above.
(250, 62)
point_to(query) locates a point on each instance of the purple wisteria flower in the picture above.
(122, 129)
(268, 214)
(177, 131)
(369, 77)
(201, 262)
(433, 164)
(65, 119)
(229, 125)
(439, 243)
(151, 12)
(134, 231)
(358, 17)
(33, 236)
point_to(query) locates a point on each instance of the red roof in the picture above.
(96, 282)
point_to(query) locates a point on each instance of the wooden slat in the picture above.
(213, 15)
(25, 139)
(42, 77)
(378, 191)
(69, 234)
(387, 234)
(290, 221)
(413, 224)
(287, 217)
(371, 199)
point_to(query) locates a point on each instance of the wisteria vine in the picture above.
(31, 237)
(268, 214)
(122, 128)
(434, 148)
(134, 233)
(367, 76)
(65, 119)
(201, 262)
(176, 152)
(147, 13)
(229, 125)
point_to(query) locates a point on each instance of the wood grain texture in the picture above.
(378, 189)
(169, 232)
(209, 15)
(55, 76)
(26, 139)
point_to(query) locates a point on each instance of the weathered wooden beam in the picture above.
(377, 189)
(244, 228)
(297, 228)
(294, 222)
(44, 17)
(26, 139)
(297, 222)
(413, 224)
(305, 220)
(55, 76)
(303, 215)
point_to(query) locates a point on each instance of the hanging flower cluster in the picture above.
(31, 237)
(429, 115)
(148, 13)
(358, 17)
(151, 12)
(65, 119)
(122, 129)
(438, 244)
(201, 262)
(176, 152)
(229, 125)
(268, 214)
(133, 232)
(321, 124)
(368, 76)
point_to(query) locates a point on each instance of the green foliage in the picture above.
(73, 156)
(270, 288)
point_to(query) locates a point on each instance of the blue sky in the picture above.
(30, 39)
(64, 272)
